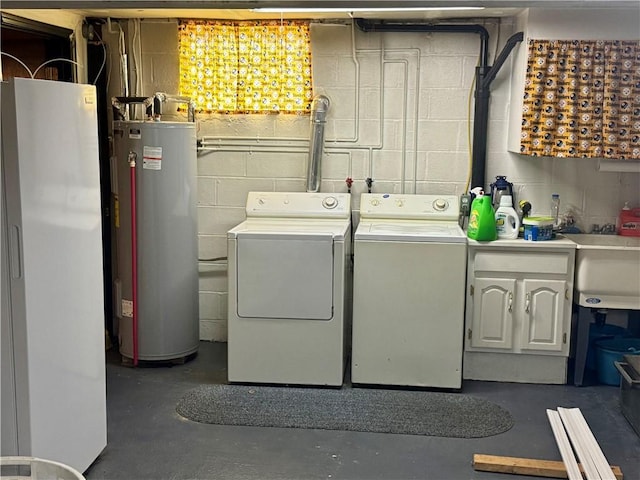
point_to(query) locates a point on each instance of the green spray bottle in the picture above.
(482, 220)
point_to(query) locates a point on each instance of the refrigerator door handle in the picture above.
(15, 252)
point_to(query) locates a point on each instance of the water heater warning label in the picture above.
(152, 158)
(127, 308)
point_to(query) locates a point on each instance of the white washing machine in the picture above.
(289, 289)
(408, 292)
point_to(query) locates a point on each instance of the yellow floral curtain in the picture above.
(259, 66)
(582, 99)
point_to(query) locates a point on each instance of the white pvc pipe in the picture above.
(590, 470)
(600, 461)
(568, 458)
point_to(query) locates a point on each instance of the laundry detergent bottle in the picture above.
(482, 220)
(507, 220)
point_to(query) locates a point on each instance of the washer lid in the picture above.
(410, 231)
(288, 227)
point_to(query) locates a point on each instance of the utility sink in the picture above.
(607, 273)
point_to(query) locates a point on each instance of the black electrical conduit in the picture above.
(485, 74)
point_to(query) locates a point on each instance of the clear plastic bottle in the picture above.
(555, 209)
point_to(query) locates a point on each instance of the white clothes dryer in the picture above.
(409, 291)
(289, 289)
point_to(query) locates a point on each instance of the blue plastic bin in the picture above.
(612, 350)
(601, 332)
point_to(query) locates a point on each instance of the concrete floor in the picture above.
(149, 440)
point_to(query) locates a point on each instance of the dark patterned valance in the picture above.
(582, 99)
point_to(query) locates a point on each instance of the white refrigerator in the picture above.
(53, 395)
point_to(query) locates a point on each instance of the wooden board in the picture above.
(526, 466)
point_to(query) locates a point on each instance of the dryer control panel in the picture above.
(410, 207)
(298, 205)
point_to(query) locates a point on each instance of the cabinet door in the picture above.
(492, 313)
(543, 312)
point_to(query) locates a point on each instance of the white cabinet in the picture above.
(52, 323)
(545, 323)
(492, 313)
(518, 310)
(539, 307)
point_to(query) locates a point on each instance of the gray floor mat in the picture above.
(358, 409)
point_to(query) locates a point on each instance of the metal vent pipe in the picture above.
(319, 109)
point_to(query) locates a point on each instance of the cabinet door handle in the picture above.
(510, 302)
(527, 302)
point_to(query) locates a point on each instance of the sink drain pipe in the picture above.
(485, 74)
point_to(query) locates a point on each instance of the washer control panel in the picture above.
(298, 204)
(418, 207)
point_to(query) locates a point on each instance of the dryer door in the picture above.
(288, 276)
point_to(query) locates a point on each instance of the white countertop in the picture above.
(559, 242)
(604, 242)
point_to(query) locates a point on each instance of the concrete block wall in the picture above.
(399, 114)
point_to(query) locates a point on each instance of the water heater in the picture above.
(154, 166)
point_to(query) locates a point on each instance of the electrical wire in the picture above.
(35, 72)
(495, 53)
(469, 145)
(136, 52)
(104, 57)
(121, 40)
(109, 68)
(19, 61)
(124, 71)
(216, 259)
(140, 66)
(134, 56)
(136, 47)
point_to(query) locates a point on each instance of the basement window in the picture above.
(246, 67)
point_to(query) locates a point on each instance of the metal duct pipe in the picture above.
(161, 98)
(319, 109)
